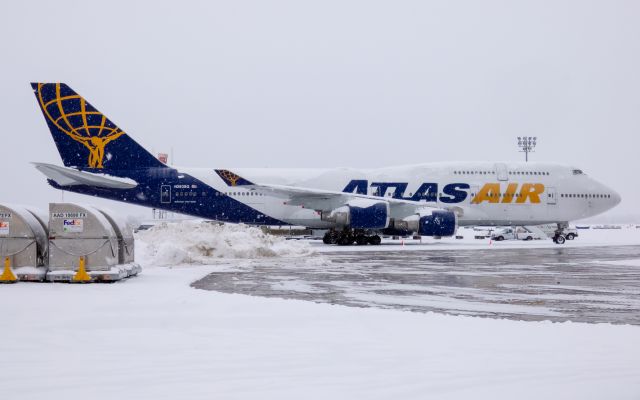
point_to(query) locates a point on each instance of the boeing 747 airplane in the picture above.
(354, 205)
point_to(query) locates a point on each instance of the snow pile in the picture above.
(197, 242)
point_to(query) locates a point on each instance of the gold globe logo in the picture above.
(73, 116)
(229, 177)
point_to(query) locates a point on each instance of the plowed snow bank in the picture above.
(196, 242)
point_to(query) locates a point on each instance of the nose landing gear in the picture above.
(559, 237)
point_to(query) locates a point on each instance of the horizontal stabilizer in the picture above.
(71, 177)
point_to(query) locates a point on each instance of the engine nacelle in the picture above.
(434, 223)
(360, 214)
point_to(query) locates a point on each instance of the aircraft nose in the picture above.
(616, 198)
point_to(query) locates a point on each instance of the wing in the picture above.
(327, 200)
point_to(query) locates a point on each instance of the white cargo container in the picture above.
(126, 242)
(23, 240)
(82, 234)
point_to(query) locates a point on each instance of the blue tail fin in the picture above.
(86, 138)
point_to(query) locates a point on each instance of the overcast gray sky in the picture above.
(331, 83)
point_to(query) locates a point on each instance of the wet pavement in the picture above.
(582, 284)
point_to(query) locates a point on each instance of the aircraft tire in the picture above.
(345, 239)
(330, 237)
(375, 240)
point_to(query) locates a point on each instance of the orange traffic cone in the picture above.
(7, 275)
(81, 276)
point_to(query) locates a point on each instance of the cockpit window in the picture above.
(577, 172)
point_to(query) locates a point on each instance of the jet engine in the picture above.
(359, 214)
(438, 223)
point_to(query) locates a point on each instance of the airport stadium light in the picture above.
(527, 144)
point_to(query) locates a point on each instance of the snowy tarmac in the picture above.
(156, 337)
(580, 284)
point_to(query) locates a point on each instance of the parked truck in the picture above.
(518, 233)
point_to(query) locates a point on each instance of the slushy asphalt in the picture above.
(581, 284)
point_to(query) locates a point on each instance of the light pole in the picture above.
(527, 144)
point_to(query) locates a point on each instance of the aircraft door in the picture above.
(552, 195)
(165, 194)
(473, 191)
(502, 174)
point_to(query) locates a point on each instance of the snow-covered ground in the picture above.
(196, 242)
(155, 337)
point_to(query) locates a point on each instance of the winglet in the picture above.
(231, 178)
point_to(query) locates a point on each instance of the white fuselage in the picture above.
(480, 193)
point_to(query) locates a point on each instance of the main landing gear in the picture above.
(559, 236)
(559, 239)
(348, 237)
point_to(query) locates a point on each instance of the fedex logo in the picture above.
(74, 225)
(451, 193)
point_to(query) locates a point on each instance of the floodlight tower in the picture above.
(527, 145)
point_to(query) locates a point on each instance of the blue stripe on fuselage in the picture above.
(206, 202)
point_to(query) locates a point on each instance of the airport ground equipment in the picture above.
(126, 245)
(23, 244)
(483, 232)
(569, 232)
(518, 233)
(85, 246)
